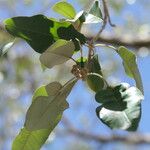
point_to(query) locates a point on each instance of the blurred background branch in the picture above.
(21, 74)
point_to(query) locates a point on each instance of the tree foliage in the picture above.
(57, 41)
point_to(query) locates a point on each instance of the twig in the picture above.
(106, 19)
(131, 138)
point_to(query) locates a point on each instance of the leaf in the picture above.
(4, 48)
(44, 110)
(82, 61)
(41, 119)
(95, 10)
(94, 66)
(41, 32)
(47, 90)
(85, 18)
(131, 68)
(94, 15)
(30, 140)
(95, 82)
(111, 94)
(35, 30)
(65, 9)
(123, 111)
(58, 53)
(40, 92)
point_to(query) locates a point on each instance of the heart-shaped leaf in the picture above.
(58, 53)
(131, 68)
(41, 32)
(123, 110)
(65, 9)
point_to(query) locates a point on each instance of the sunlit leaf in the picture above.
(58, 53)
(130, 65)
(121, 107)
(65, 9)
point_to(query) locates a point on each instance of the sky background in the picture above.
(132, 21)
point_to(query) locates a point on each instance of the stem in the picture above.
(106, 45)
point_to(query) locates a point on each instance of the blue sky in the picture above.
(82, 103)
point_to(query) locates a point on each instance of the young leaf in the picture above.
(93, 16)
(65, 9)
(45, 109)
(123, 111)
(58, 53)
(41, 32)
(95, 10)
(95, 82)
(131, 68)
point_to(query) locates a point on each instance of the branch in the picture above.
(118, 42)
(106, 19)
(131, 138)
(134, 138)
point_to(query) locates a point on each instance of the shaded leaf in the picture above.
(95, 82)
(42, 117)
(45, 109)
(35, 30)
(41, 32)
(123, 111)
(94, 65)
(131, 68)
(65, 9)
(58, 53)
(111, 94)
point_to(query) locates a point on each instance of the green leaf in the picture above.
(95, 82)
(123, 111)
(131, 68)
(60, 52)
(95, 10)
(41, 32)
(82, 61)
(65, 9)
(45, 109)
(41, 91)
(47, 90)
(44, 114)
(94, 65)
(30, 140)
(35, 30)
(111, 94)
(93, 16)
